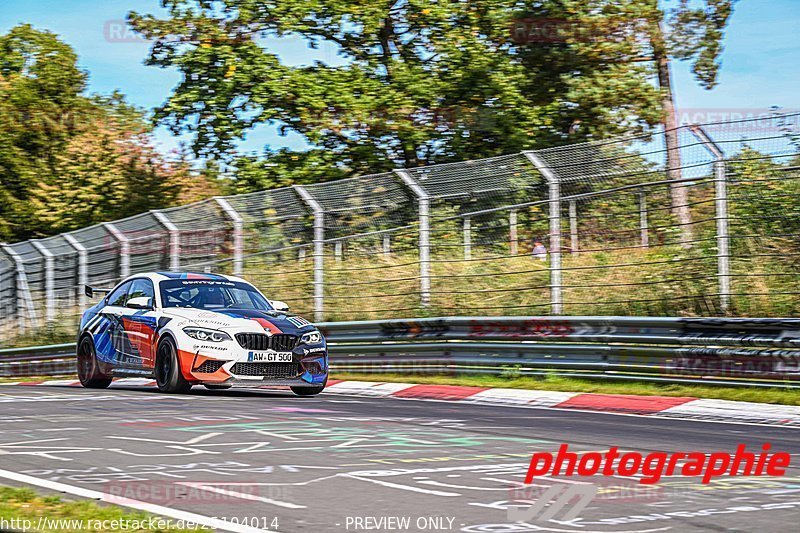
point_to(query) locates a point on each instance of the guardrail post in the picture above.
(467, 238)
(319, 251)
(512, 232)
(644, 227)
(83, 267)
(721, 203)
(174, 239)
(424, 235)
(49, 281)
(554, 197)
(573, 227)
(26, 313)
(238, 238)
(124, 249)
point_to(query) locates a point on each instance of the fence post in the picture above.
(512, 232)
(387, 244)
(573, 227)
(644, 227)
(554, 197)
(424, 235)
(26, 313)
(721, 203)
(174, 239)
(467, 238)
(337, 251)
(238, 226)
(124, 249)
(83, 267)
(49, 281)
(319, 251)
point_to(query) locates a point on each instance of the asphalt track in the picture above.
(346, 463)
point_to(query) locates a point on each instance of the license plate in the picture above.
(270, 357)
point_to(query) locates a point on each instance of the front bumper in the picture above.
(304, 370)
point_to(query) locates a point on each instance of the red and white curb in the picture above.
(657, 406)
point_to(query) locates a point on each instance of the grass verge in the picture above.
(24, 507)
(558, 383)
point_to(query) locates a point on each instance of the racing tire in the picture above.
(88, 371)
(310, 391)
(216, 386)
(169, 377)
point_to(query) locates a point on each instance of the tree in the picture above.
(695, 34)
(40, 88)
(419, 82)
(68, 160)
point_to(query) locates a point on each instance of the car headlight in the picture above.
(207, 335)
(312, 337)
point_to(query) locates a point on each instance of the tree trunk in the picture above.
(678, 191)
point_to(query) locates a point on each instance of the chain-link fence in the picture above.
(613, 227)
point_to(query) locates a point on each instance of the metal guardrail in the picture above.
(51, 360)
(714, 351)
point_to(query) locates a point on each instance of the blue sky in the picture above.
(759, 63)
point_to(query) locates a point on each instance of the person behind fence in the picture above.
(539, 251)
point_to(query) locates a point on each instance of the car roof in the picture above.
(202, 276)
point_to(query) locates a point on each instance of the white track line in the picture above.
(133, 504)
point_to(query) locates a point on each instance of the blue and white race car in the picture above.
(185, 329)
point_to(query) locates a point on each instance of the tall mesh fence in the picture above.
(612, 227)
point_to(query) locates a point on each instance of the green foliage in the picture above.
(764, 201)
(418, 82)
(68, 160)
(697, 35)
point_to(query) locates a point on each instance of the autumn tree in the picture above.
(67, 159)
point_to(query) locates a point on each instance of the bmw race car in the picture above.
(185, 329)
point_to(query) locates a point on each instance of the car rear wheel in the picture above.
(169, 377)
(88, 371)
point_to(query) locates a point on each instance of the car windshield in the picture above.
(212, 295)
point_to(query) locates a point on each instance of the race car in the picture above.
(189, 328)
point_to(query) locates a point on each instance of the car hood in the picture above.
(241, 320)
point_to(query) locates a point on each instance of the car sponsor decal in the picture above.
(297, 321)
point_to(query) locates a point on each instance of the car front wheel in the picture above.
(168, 370)
(88, 371)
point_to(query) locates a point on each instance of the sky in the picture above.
(759, 66)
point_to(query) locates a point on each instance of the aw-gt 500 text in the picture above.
(185, 329)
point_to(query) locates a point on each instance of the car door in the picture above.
(112, 347)
(140, 325)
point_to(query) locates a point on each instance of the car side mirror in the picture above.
(280, 306)
(140, 302)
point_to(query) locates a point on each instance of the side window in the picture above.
(142, 287)
(120, 295)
